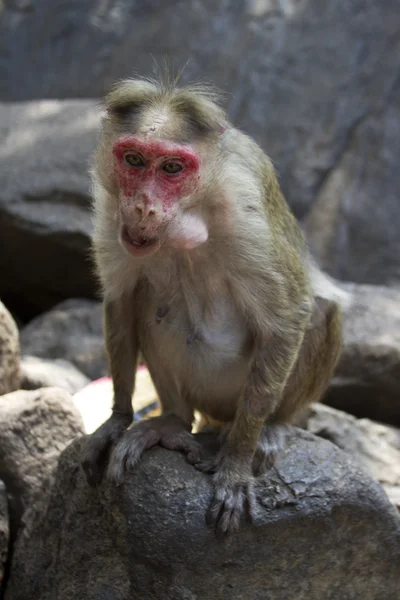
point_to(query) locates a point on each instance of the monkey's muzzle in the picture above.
(138, 244)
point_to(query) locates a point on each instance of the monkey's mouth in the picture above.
(138, 244)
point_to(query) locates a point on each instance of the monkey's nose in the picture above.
(145, 210)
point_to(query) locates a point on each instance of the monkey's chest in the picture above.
(197, 330)
(198, 342)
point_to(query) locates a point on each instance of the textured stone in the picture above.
(41, 372)
(367, 380)
(374, 446)
(354, 222)
(9, 352)
(35, 426)
(45, 223)
(72, 330)
(315, 82)
(323, 530)
(4, 530)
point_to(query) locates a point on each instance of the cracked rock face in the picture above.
(367, 378)
(35, 426)
(374, 446)
(9, 352)
(323, 529)
(72, 330)
(4, 529)
(315, 82)
(45, 222)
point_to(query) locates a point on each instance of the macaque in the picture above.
(205, 271)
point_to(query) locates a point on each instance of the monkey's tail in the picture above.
(326, 287)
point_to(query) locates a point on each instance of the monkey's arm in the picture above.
(270, 369)
(121, 338)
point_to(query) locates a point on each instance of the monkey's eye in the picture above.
(134, 160)
(172, 167)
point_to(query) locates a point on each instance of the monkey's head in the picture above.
(156, 159)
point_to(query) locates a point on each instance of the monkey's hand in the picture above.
(234, 496)
(168, 431)
(97, 448)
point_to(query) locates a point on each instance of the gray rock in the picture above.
(367, 380)
(315, 82)
(4, 530)
(323, 530)
(35, 426)
(72, 330)
(9, 352)
(45, 222)
(354, 222)
(41, 372)
(374, 446)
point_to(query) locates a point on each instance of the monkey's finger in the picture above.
(223, 502)
(206, 466)
(183, 442)
(214, 512)
(232, 512)
(94, 460)
(136, 444)
(128, 451)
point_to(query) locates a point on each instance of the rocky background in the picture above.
(317, 83)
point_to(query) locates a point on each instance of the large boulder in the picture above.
(45, 222)
(323, 529)
(367, 379)
(73, 331)
(4, 530)
(35, 426)
(44, 372)
(354, 222)
(315, 82)
(376, 447)
(9, 352)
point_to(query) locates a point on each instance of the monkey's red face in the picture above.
(154, 176)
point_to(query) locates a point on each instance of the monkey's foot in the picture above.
(98, 445)
(168, 431)
(271, 442)
(234, 496)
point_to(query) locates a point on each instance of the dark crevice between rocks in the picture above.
(15, 510)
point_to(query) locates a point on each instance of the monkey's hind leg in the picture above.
(312, 371)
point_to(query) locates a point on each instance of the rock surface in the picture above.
(354, 222)
(9, 352)
(41, 372)
(35, 426)
(4, 530)
(45, 223)
(374, 446)
(330, 124)
(323, 530)
(367, 379)
(72, 330)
